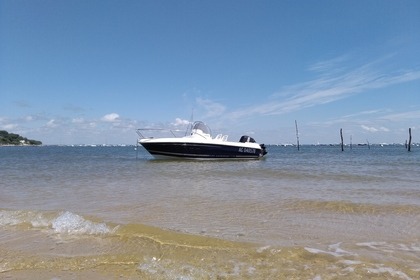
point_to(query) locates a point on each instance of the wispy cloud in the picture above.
(374, 129)
(328, 65)
(22, 104)
(51, 123)
(410, 115)
(73, 108)
(334, 83)
(210, 108)
(364, 113)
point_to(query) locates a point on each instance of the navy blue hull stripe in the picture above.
(198, 150)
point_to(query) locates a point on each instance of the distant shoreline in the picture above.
(20, 145)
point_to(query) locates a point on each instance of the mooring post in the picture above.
(409, 139)
(342, 143)
(297, 135)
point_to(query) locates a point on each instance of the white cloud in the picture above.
(77, 120)
(180, 122)
(113, 117)
(10, 126)
(373, 129)
(370, 129)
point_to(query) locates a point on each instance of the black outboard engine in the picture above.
(263, 150)
(248, 139)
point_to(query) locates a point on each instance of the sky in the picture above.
(92, 72)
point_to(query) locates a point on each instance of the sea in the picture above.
(103, 212)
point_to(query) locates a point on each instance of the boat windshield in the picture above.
(201, 126)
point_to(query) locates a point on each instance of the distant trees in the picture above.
(7, 138)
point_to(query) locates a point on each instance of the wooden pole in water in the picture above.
(342, 143)
(409, 139)
(297, 135)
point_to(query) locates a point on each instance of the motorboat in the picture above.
(198, 143)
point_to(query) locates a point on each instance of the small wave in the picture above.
(9, 218)
(63, 222)
(21, 217)
(70, 223)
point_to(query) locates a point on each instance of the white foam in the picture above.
(350, 262)
(168, 269)
(412, 248)
(71, 223)
(156, 267)
(390, 248)
(333, 249)
(9, 218)
(17, 217)
(372, 245)
(65, 222)
(263, 249)
(391, 271)
(38, 220)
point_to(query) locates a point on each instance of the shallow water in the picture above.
(317, 213)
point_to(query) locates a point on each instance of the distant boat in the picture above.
(199, 144)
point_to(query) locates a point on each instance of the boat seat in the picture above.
(224, 138)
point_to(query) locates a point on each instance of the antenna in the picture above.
(189, 127)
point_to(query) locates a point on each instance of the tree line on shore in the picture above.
(7, 138)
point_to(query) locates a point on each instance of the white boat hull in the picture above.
(195, 150)
(200, 145)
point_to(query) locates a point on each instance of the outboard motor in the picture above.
(263, 150)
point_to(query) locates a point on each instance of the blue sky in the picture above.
(80, 71)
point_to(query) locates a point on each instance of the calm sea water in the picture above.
(115, 213)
